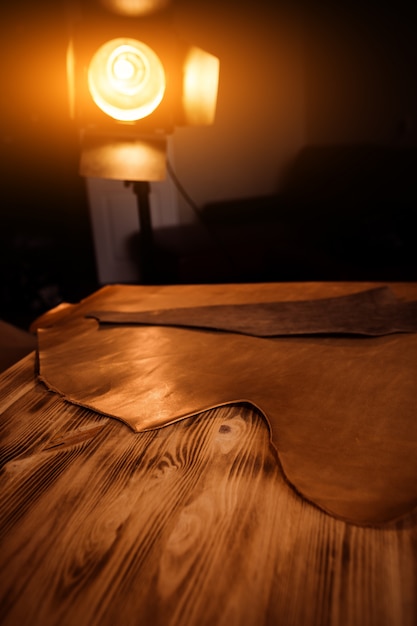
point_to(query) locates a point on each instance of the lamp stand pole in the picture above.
(147, 257)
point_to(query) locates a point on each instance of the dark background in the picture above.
(46, 244)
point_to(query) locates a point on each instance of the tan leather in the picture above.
(369, 312)
(341, 411)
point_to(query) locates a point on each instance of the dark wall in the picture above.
(46, 250)
(360, 75)
(360, 87)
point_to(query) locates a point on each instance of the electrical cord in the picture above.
(197, 211)
(184, 193)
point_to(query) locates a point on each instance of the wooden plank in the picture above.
(188, 524)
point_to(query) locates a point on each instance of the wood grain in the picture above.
(188, 524)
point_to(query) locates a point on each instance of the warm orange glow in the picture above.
(126, 79)
(123, 157)
(201, 76)
(134, 8)
(71, 79)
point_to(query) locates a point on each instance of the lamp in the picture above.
(131, 81)
(126, 79)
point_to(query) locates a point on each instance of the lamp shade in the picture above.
(134, 8)
(199, 95)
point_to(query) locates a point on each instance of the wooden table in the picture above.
(189, 524)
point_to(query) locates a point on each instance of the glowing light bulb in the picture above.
(123, 69)
(126, 79)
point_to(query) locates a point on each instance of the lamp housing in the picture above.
(133, 80)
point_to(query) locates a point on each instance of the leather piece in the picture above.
(371, 312)
(341, 411)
